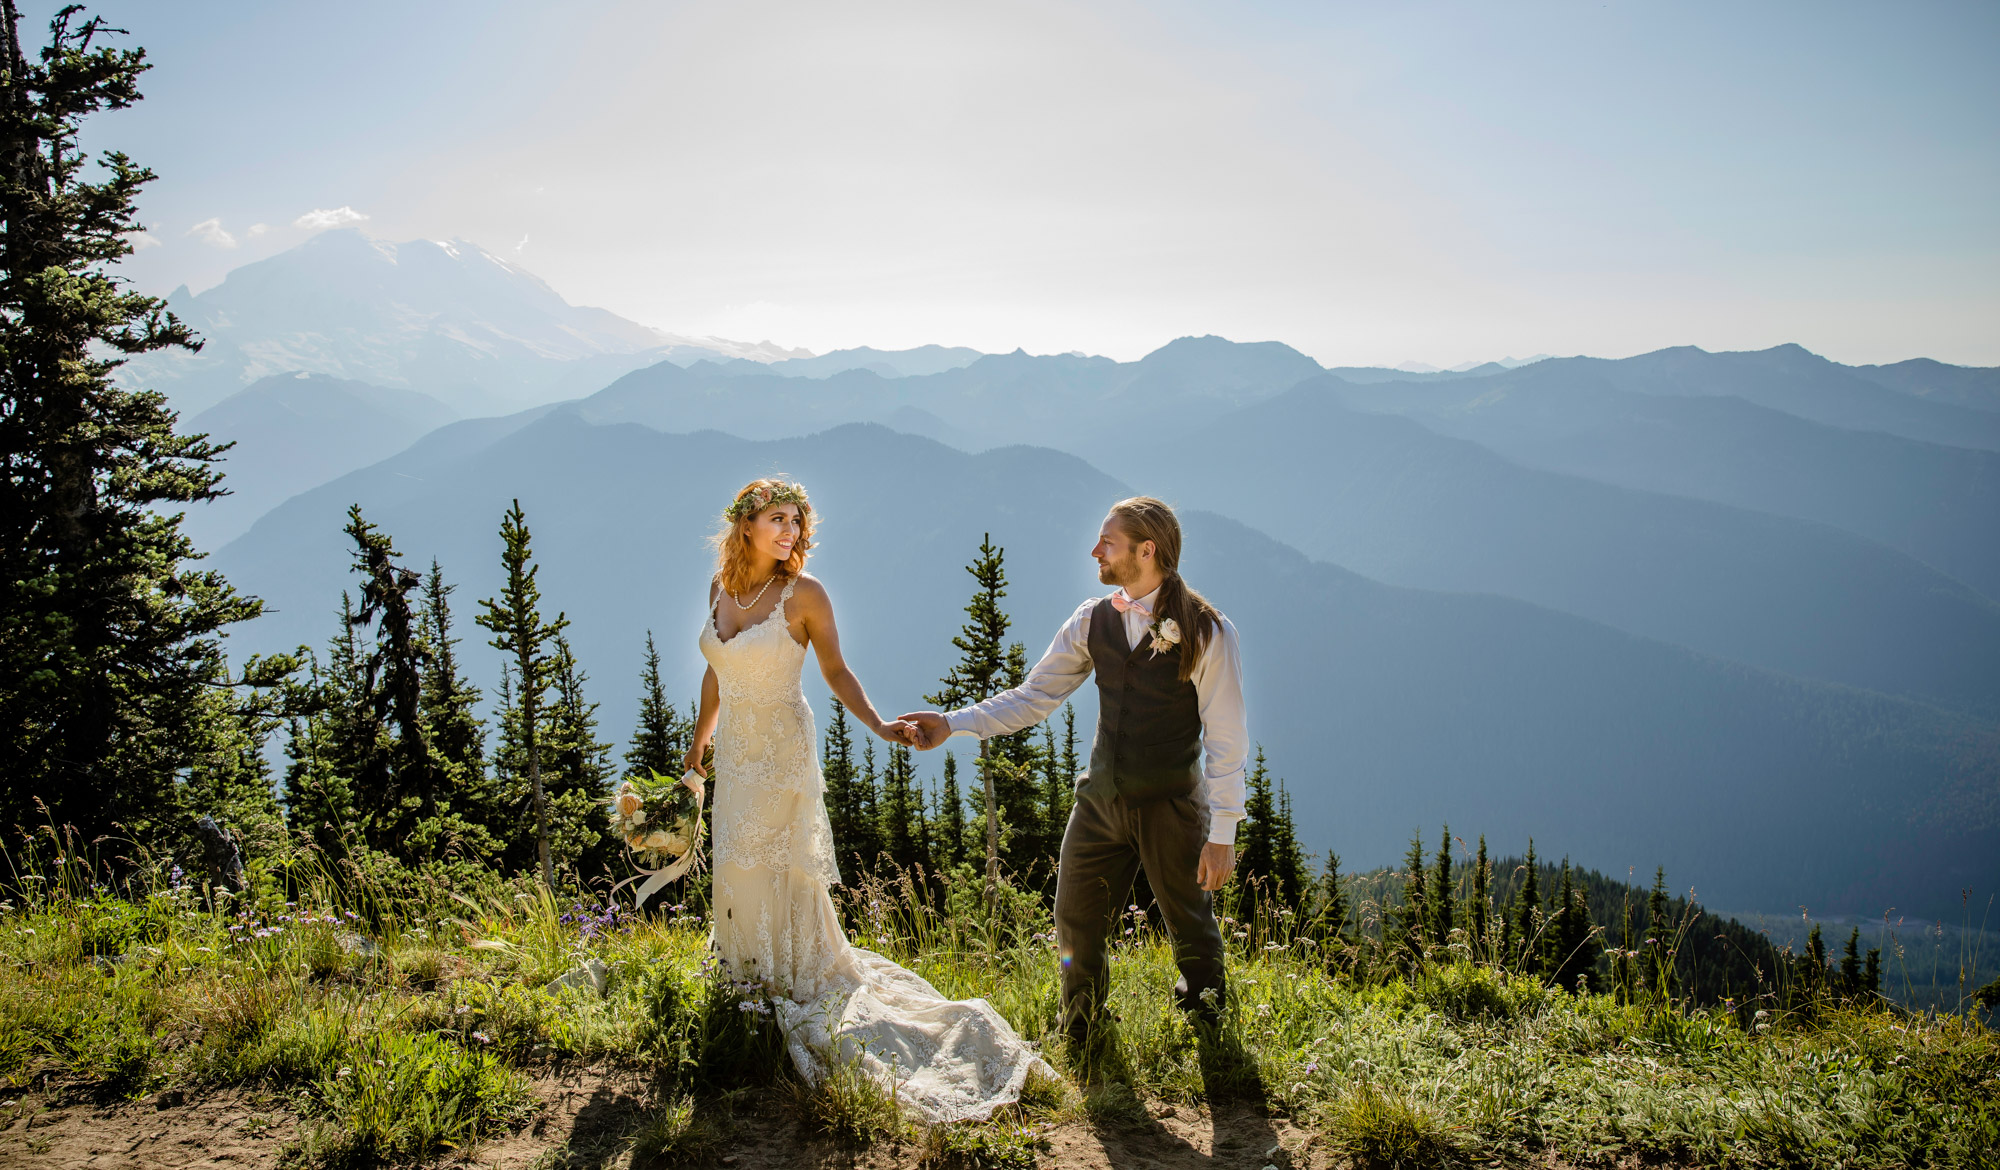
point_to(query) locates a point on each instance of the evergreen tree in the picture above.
(983, 661)
(519, 835)
(1871, 974)
(396, 785)
(1850, 965)
(1253, 833)
(1411, 922)
(854, 829)
(1443, 913)
(1288, 858)
(902, 812)
(332, 728)
(111, 633)
(1658, 964)
(1072, 767)
(518, 629)
(1480, 905)
(868, 809)
(1528, 917)
(449, 702)
(951, 817)
(1812, 964)
(576, 772)
(1053, 817)
(660, 740)
(1333, 902)
(1572, 943)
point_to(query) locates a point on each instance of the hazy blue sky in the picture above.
(1371, 183)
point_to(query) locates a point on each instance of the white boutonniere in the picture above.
(1166, 635)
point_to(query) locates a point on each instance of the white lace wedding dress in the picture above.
(949, 1060)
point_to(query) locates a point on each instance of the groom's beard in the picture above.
(1118, 572)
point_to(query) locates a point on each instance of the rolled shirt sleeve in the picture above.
(1225, 736)
(1218, 684)
(1064, 666)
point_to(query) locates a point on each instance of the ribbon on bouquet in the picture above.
(658, 879)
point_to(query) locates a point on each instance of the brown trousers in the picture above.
(1106, 843)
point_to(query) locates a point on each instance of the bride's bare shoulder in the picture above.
(809, 591)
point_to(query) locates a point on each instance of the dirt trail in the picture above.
(237, 1129)
(585, 1119)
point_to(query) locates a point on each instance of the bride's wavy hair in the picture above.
(733, 564)
(1143, 518)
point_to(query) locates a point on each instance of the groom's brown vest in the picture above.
(1148, 742)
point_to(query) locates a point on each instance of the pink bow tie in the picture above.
(1122, 604)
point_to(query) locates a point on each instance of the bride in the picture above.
(774, 855)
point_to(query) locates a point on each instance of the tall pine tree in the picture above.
(902, 812)
(1480, 905)
(850, 803)
(1527, 921)
(1288, 857)
(1410, 927)
(660, 740)
(396, 787)
(1253, 833)
(978, 675)
(950, 816)
(1443, 913)
(1332, 910)
(515, 618)
(577, 771)
(450, 703)
(111, 632)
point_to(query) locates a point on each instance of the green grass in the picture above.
(415, 1036)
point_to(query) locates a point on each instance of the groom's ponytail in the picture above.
(1144, 518)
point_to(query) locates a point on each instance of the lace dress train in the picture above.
(775, 921)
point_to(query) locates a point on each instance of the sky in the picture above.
(1371, 183)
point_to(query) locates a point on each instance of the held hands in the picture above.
(899, 731)
(1216, 863)
(929, 729)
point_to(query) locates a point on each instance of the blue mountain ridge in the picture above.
(1388, 709)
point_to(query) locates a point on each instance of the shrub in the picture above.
(1465, 992)
(406, 1098)
(849, 1106)
(675, 1133)
(1380, 1131)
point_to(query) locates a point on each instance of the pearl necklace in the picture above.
(756, 599)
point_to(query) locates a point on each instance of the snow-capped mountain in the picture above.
(447, 318)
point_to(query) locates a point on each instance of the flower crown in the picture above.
(754, 502)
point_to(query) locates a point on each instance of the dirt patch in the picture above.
(235, 1129)
(586, 1119)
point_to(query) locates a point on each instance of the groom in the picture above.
(1169, 693)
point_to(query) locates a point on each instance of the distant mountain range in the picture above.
(446, 318)
(292, 432)
(1935, 502)
(1388, 709)
(1737, 613)
(1389, 498)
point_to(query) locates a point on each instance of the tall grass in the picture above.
(409, 1029)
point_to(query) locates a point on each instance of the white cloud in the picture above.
(142, 240)
(321, 218)
(210, 232)
(522, 244)
(258, 229)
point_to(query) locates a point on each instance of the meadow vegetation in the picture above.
(403, 1033)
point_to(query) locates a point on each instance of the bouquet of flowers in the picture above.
(659, 819)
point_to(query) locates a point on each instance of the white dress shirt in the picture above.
(1218, 688)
